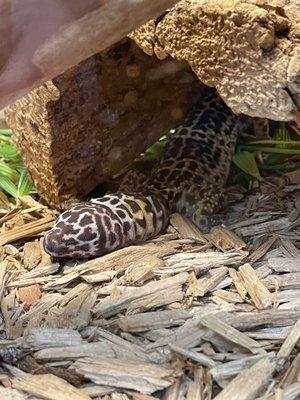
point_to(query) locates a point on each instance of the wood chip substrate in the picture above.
(187, 316)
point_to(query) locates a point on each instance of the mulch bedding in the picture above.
(185, 316)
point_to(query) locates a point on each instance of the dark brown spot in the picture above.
(73, 217)
(71, 242)
(126, 227)
(217, 155)
(173, 175)
(193, 166)
(134, 206)
(105, 198)
(65, 215)
(121, 214)
(86, 220)
(118, 230)
(107, 222)
(100, 227)
(148, 206)
(198, 179)
(84, 247)
(80, 207)
(181, 164)
(127, 212)
(114, 201)
(90, 209)
(183, 131)
(87, 235)
(200, 134)
(69, 230)
(141, 222)
(186, 175)
(154, 219)
(112, 238)
(60, 225)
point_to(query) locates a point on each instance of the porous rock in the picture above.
(85, 125)
(3, 124)
(249, 50)
(82, 127)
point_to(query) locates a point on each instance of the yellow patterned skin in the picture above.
(188, 178)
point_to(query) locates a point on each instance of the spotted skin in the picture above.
(189, 178)
(106, 224)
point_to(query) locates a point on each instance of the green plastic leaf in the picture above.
(247, 163)
(5, 132)
(9, 172)
(282, 132)
(9, 151)
(282, 167)
(243, 179)
(271, 142)
(277, 150)
(8, 186)
(16, 164)
(24, 186)
(14, 180)
(156, 148)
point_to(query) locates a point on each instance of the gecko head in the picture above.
(84, 231)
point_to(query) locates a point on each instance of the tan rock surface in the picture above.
(3, 124)
(249, 50)
(79, 129)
